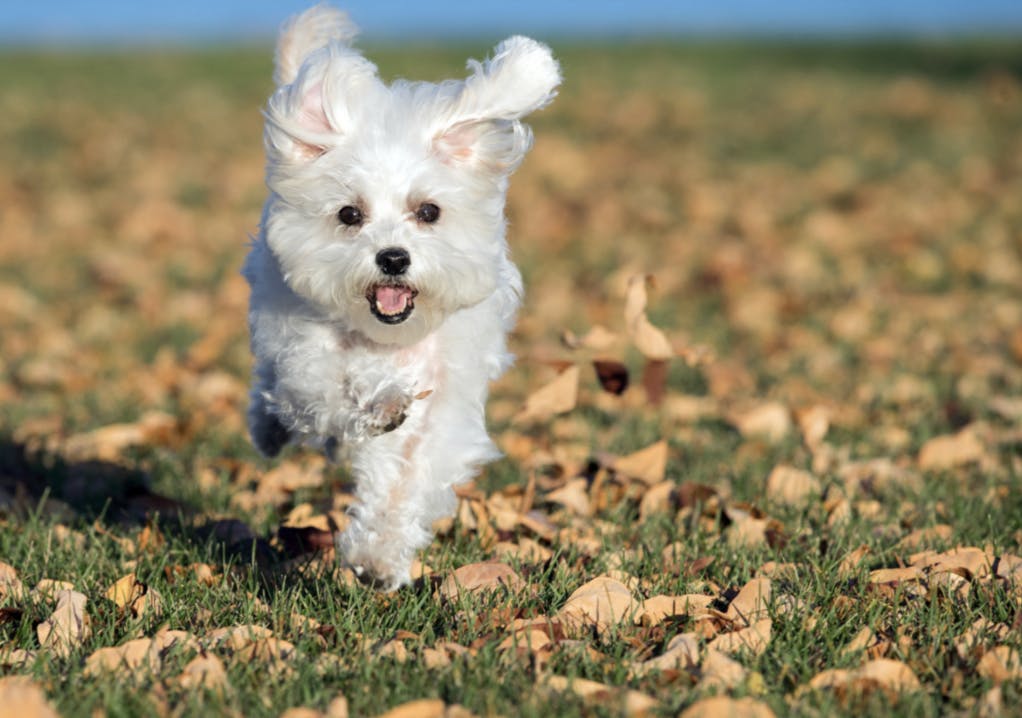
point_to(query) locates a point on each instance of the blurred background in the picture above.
(190, 21)
(824, 194)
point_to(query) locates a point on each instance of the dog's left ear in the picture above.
(481, 127)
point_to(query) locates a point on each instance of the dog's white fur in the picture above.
(328, 372)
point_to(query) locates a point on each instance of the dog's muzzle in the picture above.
(391, 303)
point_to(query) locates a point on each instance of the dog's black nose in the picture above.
(393, 260)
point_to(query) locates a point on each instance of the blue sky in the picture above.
(142, 21)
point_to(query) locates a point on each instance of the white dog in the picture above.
(382, 290)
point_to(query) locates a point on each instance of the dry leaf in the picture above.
(573, 496)
(657, 609)
(726, 707)
(601, 603)
(753, 639)
(10, 585)
(126, 659)
(480, 578)
(20, 696)
(878, 673)
(649, 340)
(557, 397)
(770, 421)
(1000, 664)
(682, 653)
(791, 486)
(424, 708)
(949, 452)
(594, 693)
(68, 626)
(721, 672)
(647, 465)
(751, 603)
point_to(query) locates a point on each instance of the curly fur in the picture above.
(402, 399)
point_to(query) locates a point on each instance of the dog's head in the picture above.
(388, 201)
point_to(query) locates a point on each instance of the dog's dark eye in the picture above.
(349, 215)
(427, 212)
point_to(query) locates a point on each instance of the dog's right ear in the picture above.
(317, 72)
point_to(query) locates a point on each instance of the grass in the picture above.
(835, 226)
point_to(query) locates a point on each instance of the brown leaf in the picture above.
(480, 578)
(423, 708)
(885, 673)
(791, 486)
(574, 496)
(600, 604)
(647, 465)
(557, 397)
(613, 375)
(1000, 664)
(951, 451)
(594, 693)
(649, 340)
(721, 672)
(657, 609)
(726, 707)
(750, 605)
(10, 585)
(770, 421)
(68, 626)
(20, 696)
(107, 443)
(682, 653)
(753, 639)
(128, 659)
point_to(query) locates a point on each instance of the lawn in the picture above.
(763, 438)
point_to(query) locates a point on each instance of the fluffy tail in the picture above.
(303, 34)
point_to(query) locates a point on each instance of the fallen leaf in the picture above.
(682, 653)
(20, 696)
(648, 465)
(649, 340)
(557, 397)
(770, 421)
(595, 693)
(727, 707)
(885, 673)
(751, 603)
(600, 603)
(1000, 664)
(480, 578)
(126, 659)
(948, 452)
(424, 708)
(657, 609)
(573, 496)
(68, 626)
(721, 672)
(10, 585)
(791, 486)
(752, 639)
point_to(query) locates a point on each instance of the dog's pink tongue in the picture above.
(392, 300)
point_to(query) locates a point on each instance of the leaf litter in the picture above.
(761, 405)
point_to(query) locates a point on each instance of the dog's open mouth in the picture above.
(391, 303)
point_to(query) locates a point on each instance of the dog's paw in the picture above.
(387, 411)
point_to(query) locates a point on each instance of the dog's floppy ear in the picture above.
(481, 126)
(304, 34)
(317, 73)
